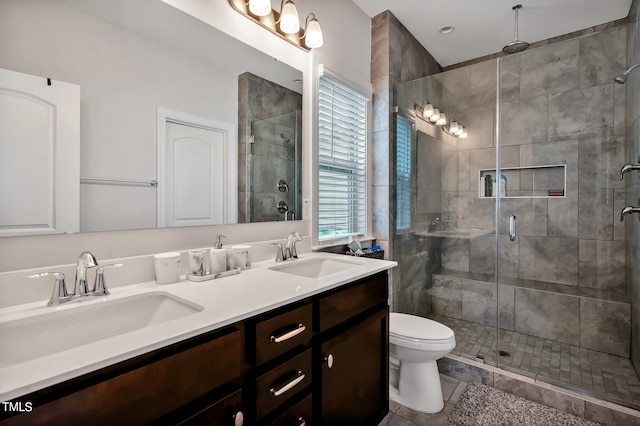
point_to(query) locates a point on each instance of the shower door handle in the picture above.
(512, 227)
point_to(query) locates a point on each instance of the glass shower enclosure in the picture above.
(512, 236)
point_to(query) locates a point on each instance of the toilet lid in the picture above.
(416, 327)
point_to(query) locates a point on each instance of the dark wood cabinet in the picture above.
(322, 360)
(354, 377)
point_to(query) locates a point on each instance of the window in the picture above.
(342, 161)
(403, 173)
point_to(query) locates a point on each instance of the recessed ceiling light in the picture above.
(446, 30)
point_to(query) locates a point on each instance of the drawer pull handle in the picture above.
(289, 334)
(279, 391)
(301, 421)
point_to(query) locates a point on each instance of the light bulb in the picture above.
(313, 34)
(427, 110)
(442, 120)
(459, 131)
(464, 134)
(289, 20)
(435, 116)
(260, 7)
(454, 127)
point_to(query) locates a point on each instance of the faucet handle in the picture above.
(279, 252)
(100, 285)
(59, 294)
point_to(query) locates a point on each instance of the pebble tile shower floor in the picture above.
(605, 376)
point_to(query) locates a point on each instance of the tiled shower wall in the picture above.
(397, 57)
(281, 154)
(632, 180)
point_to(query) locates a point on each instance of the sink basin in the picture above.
(79, 324)
(315, 268)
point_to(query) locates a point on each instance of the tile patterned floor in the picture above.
(604, 376)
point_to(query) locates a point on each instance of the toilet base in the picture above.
(418, 387)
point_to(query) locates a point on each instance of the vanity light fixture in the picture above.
(285, 24)
(434, 116)
(260, 7)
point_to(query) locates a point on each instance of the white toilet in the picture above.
(415, 343)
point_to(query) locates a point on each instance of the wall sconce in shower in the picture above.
(285, 24)
(433, 115)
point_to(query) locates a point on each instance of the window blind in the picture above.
(403, 173)
(342, 161)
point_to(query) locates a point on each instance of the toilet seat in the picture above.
(414, 330)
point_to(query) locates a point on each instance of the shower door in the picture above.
(564, 312)
(444, 221)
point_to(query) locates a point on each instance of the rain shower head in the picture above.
(516, 45)
(622, 77)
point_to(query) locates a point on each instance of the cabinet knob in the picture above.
(329, 360)
(238, 419)
(301, 421)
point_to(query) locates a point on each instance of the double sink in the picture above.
(82, 323)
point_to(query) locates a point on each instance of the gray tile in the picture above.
(535, 393)
(446, 296)
(548, 259)
(550, 69)
(582, 112)
(523, 121)
(460, 388)
(464, 372)
(609, 417)
(455, 254)
(596, 215)
(437, 419)
(605, 326)
(602, 55)
(548, 315)
(449, 385)
(601, 265)
(507, 307)
(479, 302)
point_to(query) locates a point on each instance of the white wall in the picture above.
(347, 50)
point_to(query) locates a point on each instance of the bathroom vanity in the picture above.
(318, 356)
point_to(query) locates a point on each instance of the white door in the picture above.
(39, 155)
(195, 167)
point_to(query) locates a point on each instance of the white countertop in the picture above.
(225, 301)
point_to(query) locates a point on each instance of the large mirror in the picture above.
(149, 77)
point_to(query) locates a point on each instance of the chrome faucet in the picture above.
(81, 288)
(85, 261)
(627, 168)
(628, 210)
(290, 251)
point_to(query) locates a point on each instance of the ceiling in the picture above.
(483, 27)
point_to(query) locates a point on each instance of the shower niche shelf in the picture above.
(543, 181)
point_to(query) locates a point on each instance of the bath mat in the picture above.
(482, 405)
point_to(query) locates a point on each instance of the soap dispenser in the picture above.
(219, 243)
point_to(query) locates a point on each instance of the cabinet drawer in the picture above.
(148, 392)
(224, 412)
(282, 383)
(283, 332)
(346, 303)
(298, 415)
